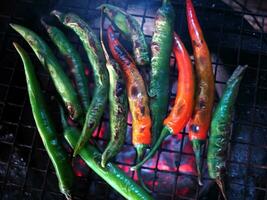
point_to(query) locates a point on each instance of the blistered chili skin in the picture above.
(161, 47)
(96, 57)
(73, 60)
(184, 100)
(136, 92)
(200, 121)
(131, 29)
(46, 127)
(221, 125)
(118, 111)
(48, 60)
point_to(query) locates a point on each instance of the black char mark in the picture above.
(134, 91)
(155, 46)
(197, 44)
(119, 89)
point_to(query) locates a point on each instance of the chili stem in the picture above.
(164, 133)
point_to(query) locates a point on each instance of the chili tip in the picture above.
(44, 23)
(101, 7)
(57, 14)
(220, 183)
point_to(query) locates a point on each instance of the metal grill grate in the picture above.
(25, 169)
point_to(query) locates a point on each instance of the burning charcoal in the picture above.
(186, 186)
(165, 182)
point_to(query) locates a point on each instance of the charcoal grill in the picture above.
(25, 169)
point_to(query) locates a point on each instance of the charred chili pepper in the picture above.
(46, 127)
(101, 81)
(118, 106)
(221, 128)
(137, 97)
(73, 60)
(49, 62)
(131, 29)
(161, 47)
(200, 120)
(116, 178)
(184, 100)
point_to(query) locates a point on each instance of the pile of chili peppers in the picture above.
(118, 82)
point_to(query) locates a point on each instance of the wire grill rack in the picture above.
(25, 169)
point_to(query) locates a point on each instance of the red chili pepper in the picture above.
(137, 96)
(184, 101)
(200, 120)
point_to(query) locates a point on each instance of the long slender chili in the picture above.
(73, 60)
(200, 120)
(46, 127)
(49, 61)
(116, 178)
(101, 80)
(221, 127)
(131, 29)
(161, 47)
(184, 100)
(118, 105)
(137, 97)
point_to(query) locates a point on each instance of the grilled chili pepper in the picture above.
(131, 29)
(46, 127)
(184, 100)
(118, 106)
(73, 60)
(200, 120)
(97, 60)
(161, 47)
(221, 127)
(116, 178)
(49, 62)
(137, 97)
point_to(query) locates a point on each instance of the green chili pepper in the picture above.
(73, 60)
(118, 105)
(97, 60)
(161, 47)
(221, 127)
(49, 61)
(46, 127)
(131, 29)
(111, 173)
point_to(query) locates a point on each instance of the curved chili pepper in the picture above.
(73, 60)
(221, 128)
(116, 178)
(161, 47)
(200, 120)
(118, 106)
(131, 29)
(101, 81)
(137, 97)
(184, 100)
(46, 127)
(49, 62)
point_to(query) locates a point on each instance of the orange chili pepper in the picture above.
(137, 96)
(200, 120)
(184, 101)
